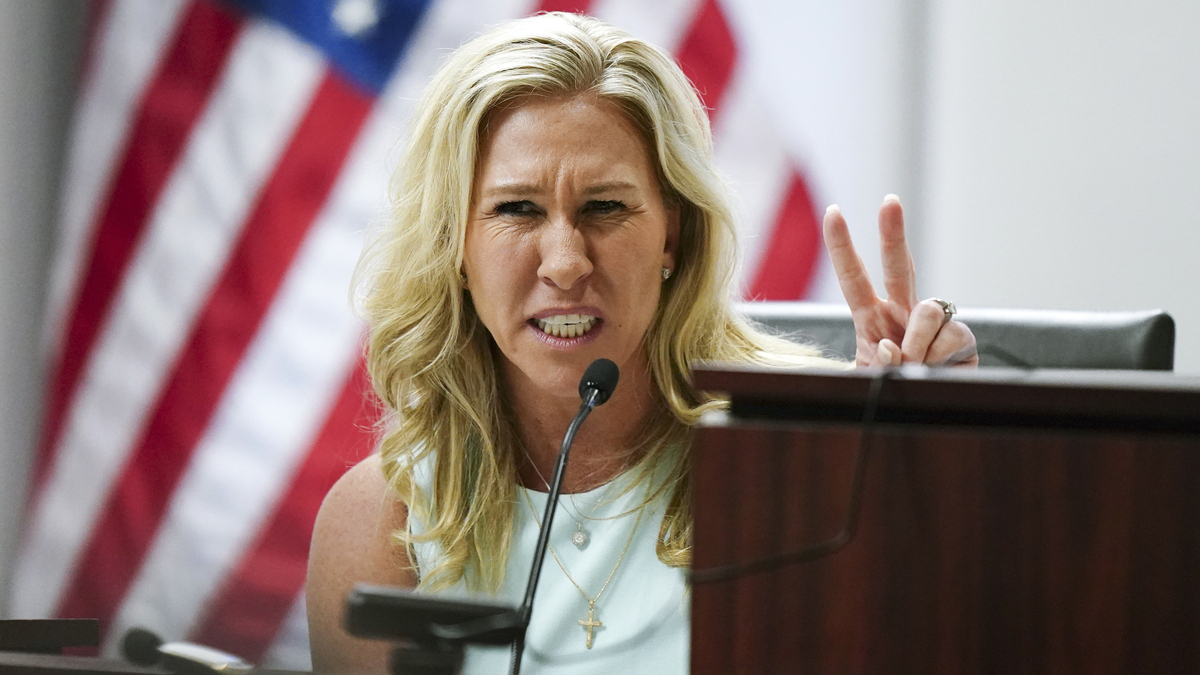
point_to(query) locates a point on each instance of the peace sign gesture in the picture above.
(899, 329)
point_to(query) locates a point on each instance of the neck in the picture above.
(601, 450)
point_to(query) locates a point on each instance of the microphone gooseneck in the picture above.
(595, 388)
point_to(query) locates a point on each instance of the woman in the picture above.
(557, 203)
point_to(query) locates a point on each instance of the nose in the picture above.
(565, 262)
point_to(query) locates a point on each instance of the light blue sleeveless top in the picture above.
(644, 609)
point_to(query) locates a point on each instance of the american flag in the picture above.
(206, 385)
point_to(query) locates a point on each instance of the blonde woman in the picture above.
(557, 203)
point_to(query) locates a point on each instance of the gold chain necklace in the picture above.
(580, 537)
(590, 623)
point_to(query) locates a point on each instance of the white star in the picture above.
(356, 18)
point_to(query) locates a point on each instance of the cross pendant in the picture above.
(590, 624)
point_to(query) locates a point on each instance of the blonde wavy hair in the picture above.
(432, 361)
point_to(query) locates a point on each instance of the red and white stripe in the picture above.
(103, 116)
(207, 385)
(168, 279)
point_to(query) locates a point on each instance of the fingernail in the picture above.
(885, 355)
(891, 198)
(831, 209)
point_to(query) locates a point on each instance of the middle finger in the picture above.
(899, 276)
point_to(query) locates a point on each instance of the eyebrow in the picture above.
(515, 189)
(524, 189)
(610, 187)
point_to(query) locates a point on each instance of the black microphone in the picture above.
(140, 646)
(596, 386)
(598, 382)
(145, 648)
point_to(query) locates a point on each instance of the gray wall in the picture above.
(38, 49)
(1064, 157)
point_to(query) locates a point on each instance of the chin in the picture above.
(553, 366)
(545, 375)
(562, 381)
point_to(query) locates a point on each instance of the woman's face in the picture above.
(566, 240)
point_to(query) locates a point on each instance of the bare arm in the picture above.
(352, 544)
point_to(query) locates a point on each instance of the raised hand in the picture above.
(898, 329)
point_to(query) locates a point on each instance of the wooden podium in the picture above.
(1008, 522)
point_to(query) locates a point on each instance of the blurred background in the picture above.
(1047, 153)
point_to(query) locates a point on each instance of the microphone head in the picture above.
(602, 376)
(140, 646)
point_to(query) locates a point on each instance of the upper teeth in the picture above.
(567, 325)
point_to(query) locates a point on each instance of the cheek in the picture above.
(497, 272)
(473, 252)
(641, 257)
(636, 269)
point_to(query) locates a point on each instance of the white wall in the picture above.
(37, 55)
(1064, 157)
(846, 90)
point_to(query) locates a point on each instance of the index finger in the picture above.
(899, 276)
(847, 265)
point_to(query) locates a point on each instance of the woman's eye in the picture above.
(520, 208)
(606, 206)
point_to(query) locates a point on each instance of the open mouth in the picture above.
(566, 325)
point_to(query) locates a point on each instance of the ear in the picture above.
(672, 240)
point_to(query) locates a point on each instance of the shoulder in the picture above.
(361, 495)
(351, 544)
